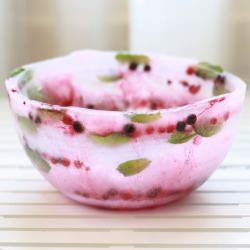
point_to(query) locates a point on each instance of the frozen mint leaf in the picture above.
(34, 93)
(133, 167)
(26, 124)
(219, 90)
(36, 158)
(16, 72)
(51, 114)
(208, 130)
(129, 58)
(180, 137)
(145, 118)
(208, 71)
(25, 78)
(110, 78)
(111, 139)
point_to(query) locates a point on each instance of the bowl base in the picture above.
(127, 204)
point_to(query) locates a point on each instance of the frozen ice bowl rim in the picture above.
(237, 88)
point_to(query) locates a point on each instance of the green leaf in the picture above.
(51, 114)
(180, 137)
(110, 78)
(37, 159)
(111, 139)
(219, 90)
(133, 167)
(208, 71)
(26, 77)
(16, 71)
(208, 130)
(128, 58)
(34, 93)
(145, 118)
(26, 124)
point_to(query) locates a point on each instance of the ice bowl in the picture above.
(125, 130)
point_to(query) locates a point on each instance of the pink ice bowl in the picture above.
(125, 130)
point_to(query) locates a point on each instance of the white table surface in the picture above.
(34, 216)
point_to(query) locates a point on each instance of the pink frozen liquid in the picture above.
(127, 132)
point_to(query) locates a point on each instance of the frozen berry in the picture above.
(226, 116)
(150, 130)
(153, 192)
(143, 103)
(184, 83)
(220, 79)
(169, 82)
(110, 194)
(67, 119)
(147, 68)
(78, 127)
(30, 116)
(180, 126)
(153, 105)
(161, 130)
(65, 162)
(54, 160)
(191, 119)
(194, 89)
(126, 195)
(190, 70)
(78, 164)
(133, 66)
(129, 129)
(213, 121)
(90, 106)
(37, 120)
(170, 128)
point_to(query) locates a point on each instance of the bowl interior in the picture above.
(121, 81)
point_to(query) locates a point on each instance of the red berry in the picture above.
(180, 126)
(78, 164)
(169, 82)
(77, 126)
(190, 70)
(184, 83)
(150, 130)
(170, 128)
(54, 160)
(133, 66)
(193, 89)
(65, 162)
(213, 121)
(222, 99)
(137, 133)
(147, 68)
(143, 103)
(161, 130)
(191, 119)
(126, 195)
(67, 119)
(226, 116)
(129, 129)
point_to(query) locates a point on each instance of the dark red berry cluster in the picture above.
(116, 194)
(76, 125)
(193, 89)
(181, 125)
(129, 129)
(36, 119)
(133, 66)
